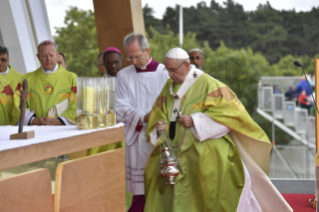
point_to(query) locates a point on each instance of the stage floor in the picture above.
(297, 193)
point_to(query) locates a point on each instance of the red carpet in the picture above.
(300, 202)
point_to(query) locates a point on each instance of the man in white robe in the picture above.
(137, 88)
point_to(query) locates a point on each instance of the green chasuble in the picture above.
(9, 102)
(14, 78)
(47, 90)
(211, 174)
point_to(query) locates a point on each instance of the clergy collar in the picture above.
(144, 67)
(51, 71)
(7, 71)
(149, 67)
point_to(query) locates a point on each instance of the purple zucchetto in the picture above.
(112, 49)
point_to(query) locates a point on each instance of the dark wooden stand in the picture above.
(23, 99)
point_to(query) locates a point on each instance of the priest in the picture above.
(222, 154)
(137, 87)
(10, 112)
(52, 90)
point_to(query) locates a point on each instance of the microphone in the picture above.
(298, 64)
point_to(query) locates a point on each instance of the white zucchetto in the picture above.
(177, 53)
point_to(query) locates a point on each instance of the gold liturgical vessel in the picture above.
(95, 103)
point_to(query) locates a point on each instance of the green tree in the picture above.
(267, 33)
(272, 32)
(78, 41)
(150, 20)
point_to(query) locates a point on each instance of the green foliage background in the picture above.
(78, 41)
(239, 46)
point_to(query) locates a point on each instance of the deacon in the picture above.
(196, 57)
(137, 88)
(222, 154)
(112, 60)
(52, 90)
(9, 96)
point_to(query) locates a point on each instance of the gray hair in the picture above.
(142, 40)
(197, 50)
(47, 42)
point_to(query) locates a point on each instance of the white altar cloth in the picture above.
(42, 134)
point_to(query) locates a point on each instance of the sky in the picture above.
(57, 8)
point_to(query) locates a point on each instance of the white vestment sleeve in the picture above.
(206, 128)
(28, 115)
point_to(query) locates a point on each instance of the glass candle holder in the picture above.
(112, 111)
(104, 102)
(88, 105)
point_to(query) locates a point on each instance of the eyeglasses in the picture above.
(4, 60)
(174, 70)
(135, 57)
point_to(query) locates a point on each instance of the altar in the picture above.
(52, 141)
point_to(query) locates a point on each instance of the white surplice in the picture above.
(135, 95)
